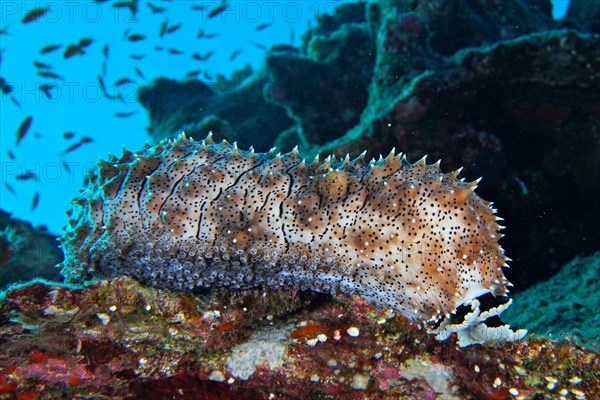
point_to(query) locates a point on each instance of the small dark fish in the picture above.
(159, 48)
(35, 200)
(85, 42)
(217, 10)
(139, 73)
(34, 14)
(47, 86)
(105, 51)
(197, 7)
(202, 34)
(69, 135)
(126, 33)
(66, 166)
(136, 37)
(4, 31)
(27, 176)
(125, 114)
(104, 68)
(193, 74)
(163, 27)
(208, 76)
(205, 57)
(101, 1)
(121, 4)
(234, 54)
(72, 50)
(37, 135)
(137, 56)
(10, 189)
(42, 65)
(102, 85)
(134, 7)
(174, 51)
(50, 48)
(24, 128)
(173, 28)
(259, 45)
(123, 81)
(15, 102)
(76, 145)
(46, 89)
(48, 74)
(155, 9)
(11, 155)
(4, 87)
(262, 26)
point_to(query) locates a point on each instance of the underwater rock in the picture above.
(561, 307)
(457, 25)
(585, 13)
(172, 104)
(119, 339)
(26, 252)
(325, 87)
(236, 109)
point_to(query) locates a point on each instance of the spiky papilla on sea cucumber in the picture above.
(184, 215)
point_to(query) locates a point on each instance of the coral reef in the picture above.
(501, 89)
(121, 340)
(26, 252)
(497, 87)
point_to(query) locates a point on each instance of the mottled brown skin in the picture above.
(184, 215)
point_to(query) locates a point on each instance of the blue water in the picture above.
(78, 106)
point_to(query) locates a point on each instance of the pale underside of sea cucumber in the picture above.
(184, 215)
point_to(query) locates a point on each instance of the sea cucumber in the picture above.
(184, 215)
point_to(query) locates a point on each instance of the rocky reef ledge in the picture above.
(117, 339)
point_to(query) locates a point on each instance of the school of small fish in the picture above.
(82, 46)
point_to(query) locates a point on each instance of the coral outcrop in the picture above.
(236, 108)
(563, 308)
(26, 252)
(121, 340)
